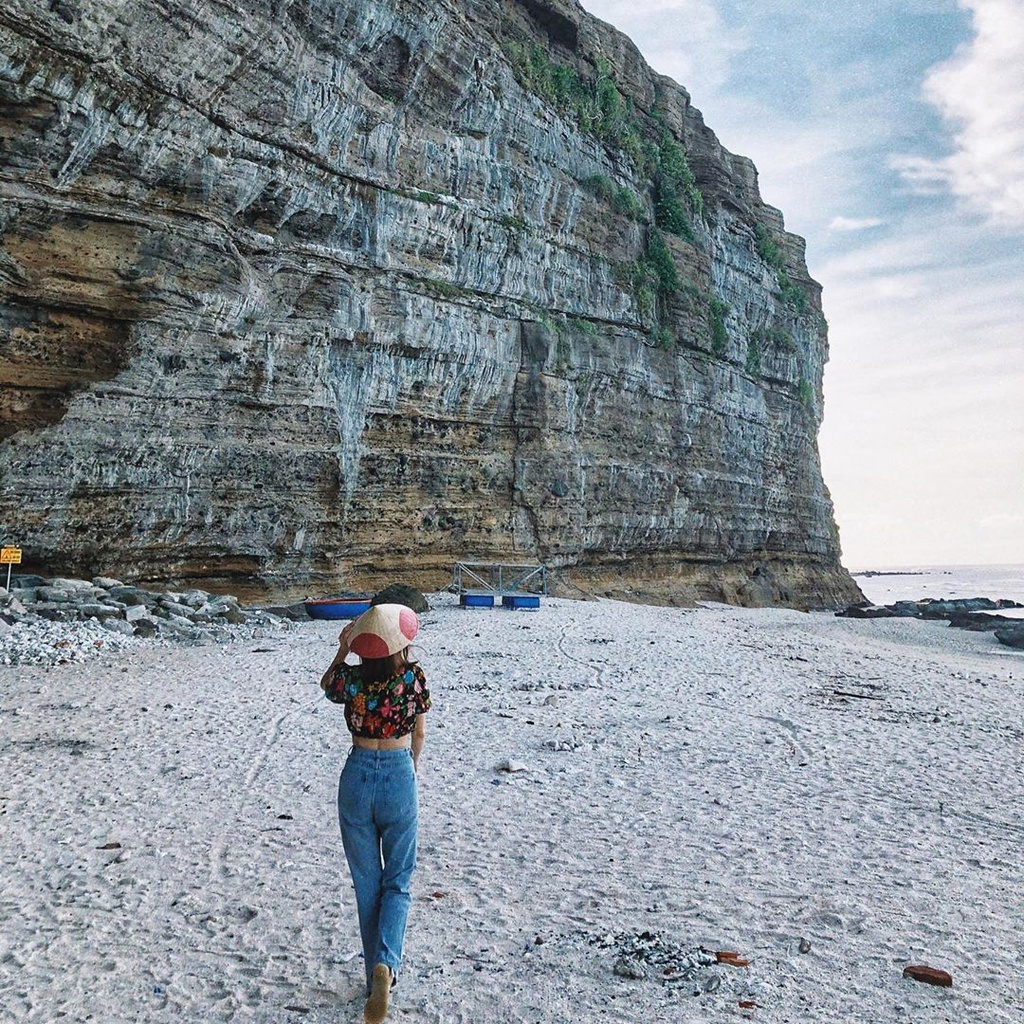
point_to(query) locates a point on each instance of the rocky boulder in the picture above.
(859, 611)
(399, 593)
(1011, 636)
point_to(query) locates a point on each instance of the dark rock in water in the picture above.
(979, 622)
(973, 613)
(871, 573)
(399, 593)
(943, 609)
(1011, 636)
(856, 611)
(906, 609)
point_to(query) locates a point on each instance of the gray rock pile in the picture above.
(57, 643)
(650, 955)
(106, 608)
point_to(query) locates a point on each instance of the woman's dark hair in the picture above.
(380, 670)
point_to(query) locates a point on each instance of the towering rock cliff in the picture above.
(307, 294)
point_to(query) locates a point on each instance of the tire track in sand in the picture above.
(257, 759)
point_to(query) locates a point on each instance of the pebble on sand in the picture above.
(929, 975)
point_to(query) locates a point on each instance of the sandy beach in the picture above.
(832, 799)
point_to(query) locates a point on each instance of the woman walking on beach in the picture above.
(385, 698)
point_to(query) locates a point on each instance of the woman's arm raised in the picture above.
(339, 658)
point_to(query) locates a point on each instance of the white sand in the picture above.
(717, 792)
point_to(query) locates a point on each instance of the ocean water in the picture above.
(942, 581)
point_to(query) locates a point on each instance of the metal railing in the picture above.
(499, 578)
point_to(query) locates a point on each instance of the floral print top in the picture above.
(384, 710)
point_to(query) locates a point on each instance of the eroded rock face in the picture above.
(331, 291)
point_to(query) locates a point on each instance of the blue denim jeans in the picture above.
(378, 812)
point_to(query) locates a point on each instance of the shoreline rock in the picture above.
(1011, 636)
(977, 614)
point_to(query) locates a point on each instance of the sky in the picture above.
(891, 135)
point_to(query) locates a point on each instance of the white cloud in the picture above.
(981, 90)
(685, 39)
(804, 157)
(924, 395)
(854, 223)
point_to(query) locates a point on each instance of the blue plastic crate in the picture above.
(476, 599)
(521, 601)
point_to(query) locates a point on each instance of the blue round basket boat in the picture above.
(337, 607)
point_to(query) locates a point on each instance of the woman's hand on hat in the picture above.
(344, 643)
(340, 655)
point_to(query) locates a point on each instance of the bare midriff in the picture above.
(370, 743)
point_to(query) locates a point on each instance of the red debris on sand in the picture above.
(748, 1004)
(929, 975)
(724, 956)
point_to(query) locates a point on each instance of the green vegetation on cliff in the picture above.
(621, 199)
(672, 179)
(600, 110)
(717, 312)
(770, 251)
(596, 104)
(669, 191)
(659, 260)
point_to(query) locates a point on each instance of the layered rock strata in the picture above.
(299, 294)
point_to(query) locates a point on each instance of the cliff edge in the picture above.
(305, 295)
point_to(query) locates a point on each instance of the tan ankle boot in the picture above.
(380, 995)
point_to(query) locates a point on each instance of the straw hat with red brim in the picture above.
(383, 630)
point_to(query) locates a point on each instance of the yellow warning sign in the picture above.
(10, 556)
